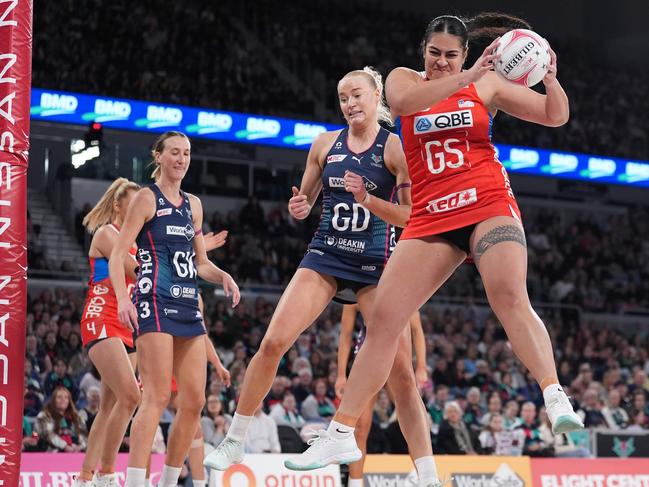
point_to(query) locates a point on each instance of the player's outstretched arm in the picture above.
(407, 92)
(551, 109)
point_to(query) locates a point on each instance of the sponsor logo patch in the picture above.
(369, 268)
(177, 291)
(453, 201)
(336, 182)
(100, 289)
(349, 245)
(187, 231)
(163, 212)
(437, 122)
(170, 311)
(369, 184)
(336, 158)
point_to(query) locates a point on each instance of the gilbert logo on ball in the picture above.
(524, 57)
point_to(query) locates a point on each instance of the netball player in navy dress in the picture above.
(361, 170)
(165, 223)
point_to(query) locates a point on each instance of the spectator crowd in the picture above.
(253, 56)
(479, 397)
(592, 260)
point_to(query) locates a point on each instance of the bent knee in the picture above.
(504, 296)
(158, 400)
(272, 346)
(402, 383)
(191, 402)
(107, 404)
(130, 398)
(386, 324)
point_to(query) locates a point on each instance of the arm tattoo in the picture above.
(503, 233)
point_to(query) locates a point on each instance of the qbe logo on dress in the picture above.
(453, 201)
(437, 122)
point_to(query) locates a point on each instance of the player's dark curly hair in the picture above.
(485, 27)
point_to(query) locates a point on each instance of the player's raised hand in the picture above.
(298, 205)
(551, 75)
(215, 240)
(485, 62)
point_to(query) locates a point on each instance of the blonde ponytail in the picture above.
(104, 210)
(382, 109)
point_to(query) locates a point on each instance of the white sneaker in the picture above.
(325, 450)
(77, 482)
(229, 452)
(561, 415)
(106, 480)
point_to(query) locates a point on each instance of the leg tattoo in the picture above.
(503, 233)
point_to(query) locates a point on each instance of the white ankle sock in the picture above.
(354, 482)
(551, 390)
(426, 470)
(169, 476)
(199, 483)
(239, 427)
(339, 431)
(135, 477)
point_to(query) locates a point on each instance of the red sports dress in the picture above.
(99, 318)
(457, 179)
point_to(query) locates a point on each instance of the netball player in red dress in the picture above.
(109, 343)
(463, 205)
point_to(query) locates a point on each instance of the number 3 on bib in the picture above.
(437, 152)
